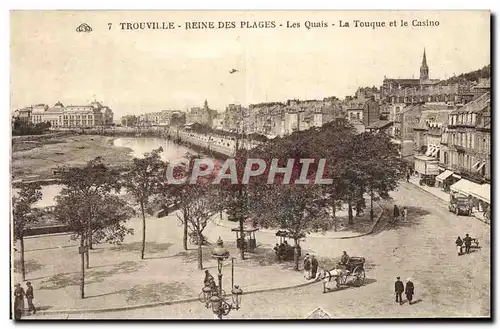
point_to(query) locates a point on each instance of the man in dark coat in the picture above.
(314, 267)
(399, 289)
(307, 267)
(277, 251)
(29, 297)
(396, 213)
(208, 278)
(459, 244)
(468, 243)
(409, 290)
(18, 301)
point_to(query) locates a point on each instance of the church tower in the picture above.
(424, 69)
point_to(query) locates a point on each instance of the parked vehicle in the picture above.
(460, 206)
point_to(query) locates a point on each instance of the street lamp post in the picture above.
(216, 297)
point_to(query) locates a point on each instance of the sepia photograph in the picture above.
(250, 165)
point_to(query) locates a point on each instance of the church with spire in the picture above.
(392, 85)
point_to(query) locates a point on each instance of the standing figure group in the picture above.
(409, 290)
(19, 295)
(310, 267)
(396, 213)
(467, 241)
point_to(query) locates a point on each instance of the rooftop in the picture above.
(476, 105)
(380, 124)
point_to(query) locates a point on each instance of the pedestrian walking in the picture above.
(278, 253)
(396, 213)
(29, 297)
(314, 267)
(459, 244)
(307, 267)
(399, 289)
(408, 176)
(18, 301)
(405, 214)
(468, 243)
(409, 290)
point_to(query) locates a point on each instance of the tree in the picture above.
(297, 209)
(197, 207)
(143, 181)
(22, 217)
(198, 200)
(379, 164)
(86, 204)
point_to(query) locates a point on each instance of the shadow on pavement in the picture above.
(157, 292)
(387, 222)
(108, 293)
(30, 265)
(60, 281)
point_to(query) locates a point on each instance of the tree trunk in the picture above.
(143, 230)
(371, 205)
(82, 282)
(200, 253)
(23, 269)
(87, 258)
(296, 255)
(334, 217)
(349, 203)
(241, 219)
(185, 235)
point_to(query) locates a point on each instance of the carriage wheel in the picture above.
(201, 297)
(359, 276)
(192, 239)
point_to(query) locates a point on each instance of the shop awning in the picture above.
(466, 188)
(481, 166)
(442, 176)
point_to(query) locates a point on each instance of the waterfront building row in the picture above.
(70, 116)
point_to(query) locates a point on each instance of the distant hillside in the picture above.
(484, 72)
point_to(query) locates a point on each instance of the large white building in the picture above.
(71, 116)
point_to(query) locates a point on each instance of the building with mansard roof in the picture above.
(70, 116)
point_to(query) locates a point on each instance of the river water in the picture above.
(141, 145)
(138, 145)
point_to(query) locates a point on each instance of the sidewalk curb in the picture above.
(428, 192)
(335, 238)
(163, 303)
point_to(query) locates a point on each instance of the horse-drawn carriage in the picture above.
(351, 273)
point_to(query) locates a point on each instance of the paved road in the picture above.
(446, 285)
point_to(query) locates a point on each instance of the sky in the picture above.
(143, 71)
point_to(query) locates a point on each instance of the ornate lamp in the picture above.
(220, 253)
(216, 298)
(236, 296)
(207, 293)
(216, 304)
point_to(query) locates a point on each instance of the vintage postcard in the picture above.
(250, 164)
